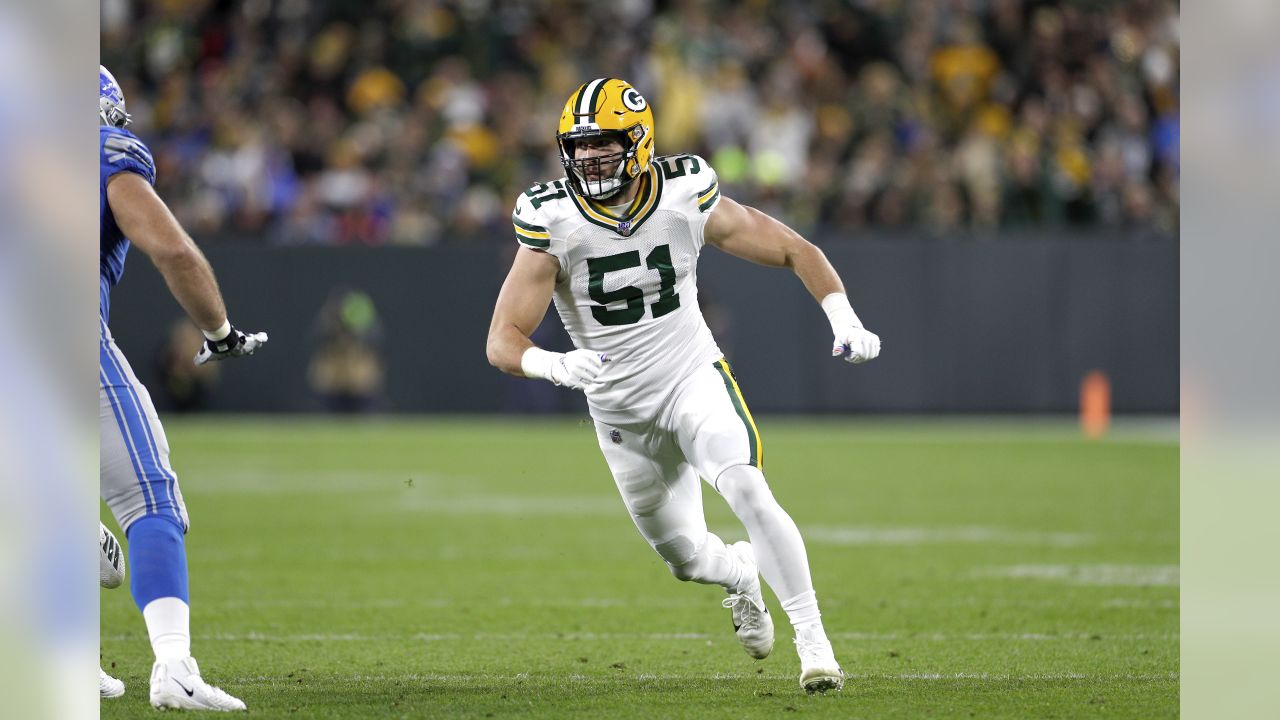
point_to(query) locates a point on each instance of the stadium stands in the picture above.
(402, 122)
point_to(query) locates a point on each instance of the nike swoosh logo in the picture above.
(184, 687)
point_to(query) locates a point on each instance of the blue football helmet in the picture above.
(110, 100)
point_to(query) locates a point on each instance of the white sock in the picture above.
(779, 549)
(802, 611)
(169, 625)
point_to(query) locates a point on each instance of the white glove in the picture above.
(852, 341)
(577, 369)
(227, 342)
(857, 345)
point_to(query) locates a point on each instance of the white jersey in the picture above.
(627, 286)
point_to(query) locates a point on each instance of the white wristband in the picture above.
(839, 312)
(536, 363)
(221, 333)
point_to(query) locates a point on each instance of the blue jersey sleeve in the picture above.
(122, 151)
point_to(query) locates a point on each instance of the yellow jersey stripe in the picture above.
(532, 234)
(715, 187)
(705, 206)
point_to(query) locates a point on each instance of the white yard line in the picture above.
(1173, 676)
(443, 678)
(332, 603)
(1095, 575)
(1142, 604)
(612, 637)
(387, 603)
(910, 536)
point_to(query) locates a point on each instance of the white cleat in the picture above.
(177, 684)
(751, 620)
(109, 686)
(819, 671)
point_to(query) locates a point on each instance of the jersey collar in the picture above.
(641, 208)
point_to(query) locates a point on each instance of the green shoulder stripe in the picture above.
(529, 226)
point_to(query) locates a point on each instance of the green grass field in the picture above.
(477, 568)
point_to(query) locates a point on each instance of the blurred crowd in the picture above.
(419, 121)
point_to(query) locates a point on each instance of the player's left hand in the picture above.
(856, 344)
(235, 344)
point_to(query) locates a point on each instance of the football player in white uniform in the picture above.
(616, 243)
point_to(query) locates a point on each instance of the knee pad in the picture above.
(744, 486)
(644, 493)
(684, 573)
(681, 556)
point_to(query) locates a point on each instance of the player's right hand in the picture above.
(577, 369)
(235, 344)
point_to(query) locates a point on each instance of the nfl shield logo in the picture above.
(624, 227)
(616, 437)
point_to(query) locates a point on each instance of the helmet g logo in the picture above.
(606, 107)
(633, 100)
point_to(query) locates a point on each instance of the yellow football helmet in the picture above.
(606, 108)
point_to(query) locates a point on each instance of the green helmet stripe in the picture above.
(588, 97)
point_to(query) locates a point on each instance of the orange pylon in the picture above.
(1095, 404)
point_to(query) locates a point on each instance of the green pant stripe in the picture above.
(731, 387)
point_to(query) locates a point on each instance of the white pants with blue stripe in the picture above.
(136, 478)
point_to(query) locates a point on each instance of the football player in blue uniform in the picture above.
(137, 482)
